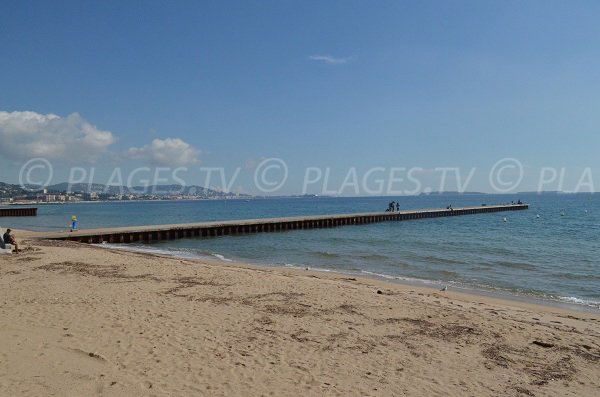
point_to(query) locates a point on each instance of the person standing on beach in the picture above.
(9, 239)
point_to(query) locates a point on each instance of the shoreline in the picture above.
(584, 306)
(79, 319)
(434, 285)
(119, 201)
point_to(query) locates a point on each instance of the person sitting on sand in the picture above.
(10, 239)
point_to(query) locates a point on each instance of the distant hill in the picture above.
(77, 188)
(158, 190)
(554, 192)
(8, 190)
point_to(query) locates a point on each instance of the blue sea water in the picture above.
(554, 256)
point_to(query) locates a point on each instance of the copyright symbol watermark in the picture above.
(33, 172)
(506, 175)
(270, 175)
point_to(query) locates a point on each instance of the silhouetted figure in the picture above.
(397, 206)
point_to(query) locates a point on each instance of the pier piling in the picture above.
(18, 212)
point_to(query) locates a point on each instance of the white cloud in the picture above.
(329, 59)
(25, 135)
(172, 152)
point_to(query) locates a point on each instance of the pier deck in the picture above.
(133, 234)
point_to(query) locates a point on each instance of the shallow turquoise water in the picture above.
(552, 256)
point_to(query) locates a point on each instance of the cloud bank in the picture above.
(172, 152)
(24, 135)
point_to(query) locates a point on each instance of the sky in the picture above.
(351, 93)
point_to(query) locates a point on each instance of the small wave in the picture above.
(386, 276)
(444, 261)
(579, 301)
(221, 257)
(305, 267)
(499, 251)
(320, 269)
(576, 276)
(514, 265)
(389, 277)
(134, 248)
(326, 254)
(178, 253)
(447, 275)
(372, 257)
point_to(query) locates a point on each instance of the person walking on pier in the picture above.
(10, 239)
(397, 207)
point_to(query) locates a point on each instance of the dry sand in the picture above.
(81, 321)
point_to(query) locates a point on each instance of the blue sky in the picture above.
(318, 84)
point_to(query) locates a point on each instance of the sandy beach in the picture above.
(82, 320)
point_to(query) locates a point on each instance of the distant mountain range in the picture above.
(8, 190)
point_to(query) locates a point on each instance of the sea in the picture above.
(550, 252)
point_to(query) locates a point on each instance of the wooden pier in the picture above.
(18, 211)
(267, 225)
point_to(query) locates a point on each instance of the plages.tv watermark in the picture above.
(272, 176)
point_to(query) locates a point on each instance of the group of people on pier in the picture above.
(393, 206)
